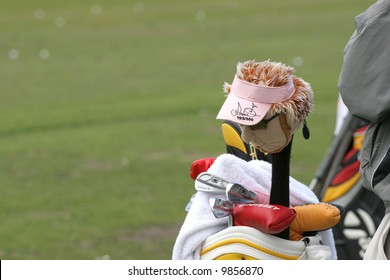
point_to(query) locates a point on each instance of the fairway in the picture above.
(104, 105)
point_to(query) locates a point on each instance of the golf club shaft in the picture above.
(280, 186)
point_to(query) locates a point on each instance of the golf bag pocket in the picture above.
(375, 159)
(247, 243)
(315, 250)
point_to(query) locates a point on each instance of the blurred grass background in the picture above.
(104, 105)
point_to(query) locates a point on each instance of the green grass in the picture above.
(96, 141)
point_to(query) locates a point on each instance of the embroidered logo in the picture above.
(246, 114)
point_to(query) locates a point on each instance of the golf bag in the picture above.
(337, 181)
(248, 243)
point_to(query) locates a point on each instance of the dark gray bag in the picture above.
(375, 160)
(364, 81)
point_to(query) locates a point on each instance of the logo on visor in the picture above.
(246, 114)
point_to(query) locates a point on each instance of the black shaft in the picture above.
(280, 186)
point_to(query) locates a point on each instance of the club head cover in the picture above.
(314, 217)
(268, 102)
(199, 166)
(271, 219)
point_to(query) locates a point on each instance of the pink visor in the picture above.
(248, 103)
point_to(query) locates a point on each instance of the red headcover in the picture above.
(200, 165)
(270, 219)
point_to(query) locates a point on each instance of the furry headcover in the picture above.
(269, 103)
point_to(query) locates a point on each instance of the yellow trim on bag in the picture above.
(358, 142)
(250, 244)
(234, 257)
(232, 138)
(333, 193)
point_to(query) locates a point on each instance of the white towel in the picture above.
(200, 222)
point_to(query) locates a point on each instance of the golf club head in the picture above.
(207, 182)
(238, 194)
(220, 207)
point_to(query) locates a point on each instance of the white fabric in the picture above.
(318, 252)
(200, 223)
(379, 248)
(268, 247)
(342, 112)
